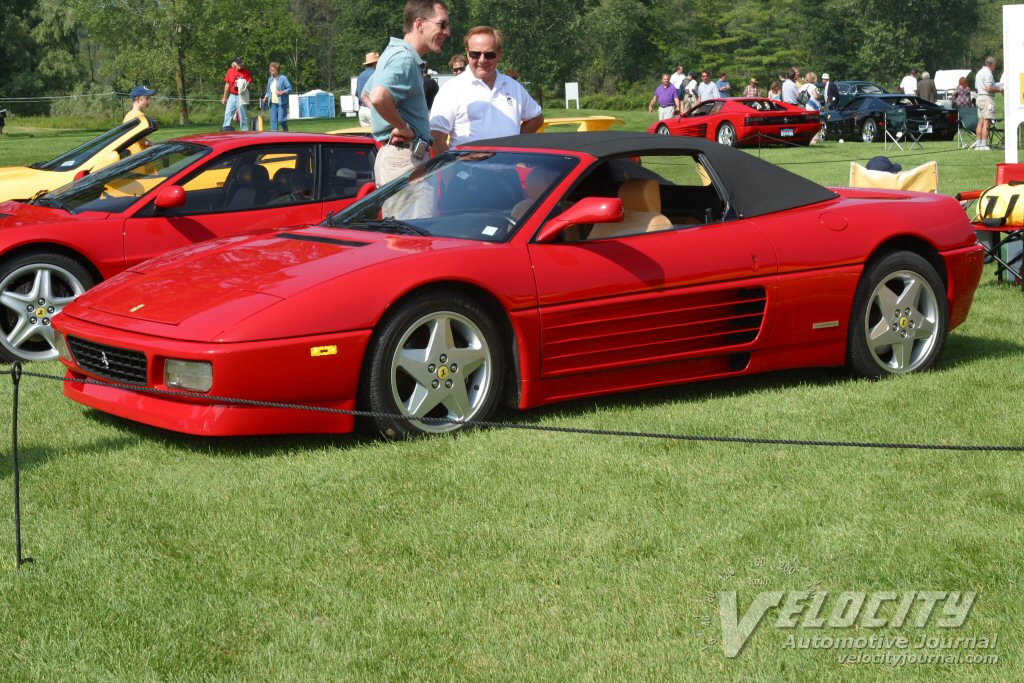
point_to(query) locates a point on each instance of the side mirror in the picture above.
(170, 197)
(586, 210)
(365, 189)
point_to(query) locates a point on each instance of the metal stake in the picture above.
(16, 378)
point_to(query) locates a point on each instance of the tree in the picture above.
(163, 35)
(38, 48)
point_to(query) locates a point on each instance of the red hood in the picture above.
(214, 285)
(22, 215)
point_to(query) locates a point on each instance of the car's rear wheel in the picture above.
(662, 129)
(869, 131)
(34, 288)
(727, 135)
(437, 356)
(900, 317)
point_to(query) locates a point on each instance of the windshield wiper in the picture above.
(47, 200)
(389, 224)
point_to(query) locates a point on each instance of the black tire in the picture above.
(35, 287)
(869, 131)
(662, 129)
(726, 135)
(457, 376)
(900, 317)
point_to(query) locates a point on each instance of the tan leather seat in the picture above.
(641, 200)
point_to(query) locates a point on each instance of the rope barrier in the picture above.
(543, 428)
(820, 149)
(56, 98)
(16, 372)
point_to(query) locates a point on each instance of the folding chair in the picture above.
(995, 133)
(923, 178)
(894, 124)
(1003, 243)
(898, 127)
(967, 127)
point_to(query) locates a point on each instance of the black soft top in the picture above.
(755, 187)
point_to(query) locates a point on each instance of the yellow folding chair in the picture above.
(923, 178)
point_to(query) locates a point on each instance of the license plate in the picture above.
(925, 128)
(787, 132)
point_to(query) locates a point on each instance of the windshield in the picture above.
(465, 194)
(69, 161)
(117, 187)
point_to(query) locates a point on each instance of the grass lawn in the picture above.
(517, 555)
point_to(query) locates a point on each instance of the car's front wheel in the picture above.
(662, 129)
(869, 131)
(437, 356)
(726, 135)
(33, 289)
(900, 317)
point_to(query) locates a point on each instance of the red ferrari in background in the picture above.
(738, 121)
(527, 270)
(175, 193)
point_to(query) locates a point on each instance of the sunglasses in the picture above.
(473, 54)
(443, 24)
(458, 69)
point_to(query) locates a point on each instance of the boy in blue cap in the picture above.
(140, 95)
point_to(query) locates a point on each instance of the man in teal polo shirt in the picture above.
(399, 116)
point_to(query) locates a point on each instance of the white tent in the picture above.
(947, 80)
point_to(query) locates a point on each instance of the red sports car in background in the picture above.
(529, 269)
(175, 193)
(738, 121)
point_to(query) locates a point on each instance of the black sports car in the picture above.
(860, 88)
(864, 116)
(851, 89)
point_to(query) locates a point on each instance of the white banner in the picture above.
(1013, 77)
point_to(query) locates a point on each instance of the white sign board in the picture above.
(572, 92)
(1013, 78)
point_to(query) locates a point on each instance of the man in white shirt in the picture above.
(707, 90)
(985, 84)
(482, 102)
(909, 83)
(677, 79)
(790, 91)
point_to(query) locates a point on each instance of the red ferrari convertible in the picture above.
(744, 121)
(529, 269)
(63, 242)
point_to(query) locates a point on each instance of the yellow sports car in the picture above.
(24, 182)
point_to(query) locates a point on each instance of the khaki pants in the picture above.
(417, 200)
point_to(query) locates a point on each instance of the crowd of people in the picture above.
(680, 91)
(409, 114)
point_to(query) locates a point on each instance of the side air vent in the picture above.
(660, 329)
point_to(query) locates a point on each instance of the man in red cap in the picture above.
(236, 94)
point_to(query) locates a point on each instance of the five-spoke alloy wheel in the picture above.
(726, 134)
(33, 289)
(900, 317)
(437, 356)
(869, 131)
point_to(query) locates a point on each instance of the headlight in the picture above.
(61, 344)
(194, 375)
